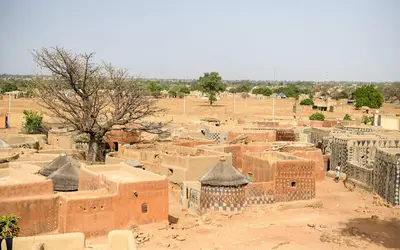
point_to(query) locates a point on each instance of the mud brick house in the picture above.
(109, 197)
(302, 150)
(120, 135)
(293, 178)
(188, 164)
(223, 188)
(272, 177)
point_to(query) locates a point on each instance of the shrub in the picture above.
(245, 95)
(347, 117)
(307, 102)
(33, 122)
(317, 117)
(367, 120)
(9, 226)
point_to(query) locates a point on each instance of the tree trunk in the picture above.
(96, 150)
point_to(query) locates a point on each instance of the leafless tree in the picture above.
(392, 92)
(92, 97)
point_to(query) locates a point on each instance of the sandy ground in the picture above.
(336, 219)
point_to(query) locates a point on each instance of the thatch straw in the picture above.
(58, 163)
(65, 178)
(223, 174)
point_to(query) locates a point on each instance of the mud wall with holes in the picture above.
(91, 215)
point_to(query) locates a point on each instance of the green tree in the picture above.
(368, 95)
(265, 91)
(242, 88)
(178, 91)
(307, 102)
(8, 86)
(195, 86)
(184, 90)
(317, 117)
(347, 117)
(211, 84)
(154, 88)
(33, 122)
(291, 91)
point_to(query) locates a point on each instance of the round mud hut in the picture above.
(223, 188)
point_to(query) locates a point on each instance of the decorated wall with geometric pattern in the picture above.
(294, 181)
(387, 176)
(220, 198)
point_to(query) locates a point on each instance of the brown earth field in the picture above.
(226, 109)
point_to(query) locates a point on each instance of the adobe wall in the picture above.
(152, 194)
(112, 158)
(63, 140)
(254, 135)
(26, 189)
(120, 136)
(71, 241)
(39, 214)
(285, 135)
(129, 153)
(80, 154)
(123, 208)
(390, 122)
(294, 180)
(315, 156)
(186, 190)
(386, 180)
(193, 144)
(261, 169)
(260, 193)
(199, 165)
(362, 176)
(90, 215)
(2, 120)
(88, 180)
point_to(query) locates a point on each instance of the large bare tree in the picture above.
(92, 97)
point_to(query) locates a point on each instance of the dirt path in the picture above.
(346, 220)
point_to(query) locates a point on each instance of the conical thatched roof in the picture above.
(58, 163)
(3, 144)
(65, 178)
(223, 174)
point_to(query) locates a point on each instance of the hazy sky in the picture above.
(303, 39)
